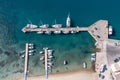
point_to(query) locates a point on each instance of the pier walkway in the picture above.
(77, 29)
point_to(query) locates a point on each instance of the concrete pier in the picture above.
(46, 64)
(26, 62)
(77, 29)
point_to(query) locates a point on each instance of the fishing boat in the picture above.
(68, 21)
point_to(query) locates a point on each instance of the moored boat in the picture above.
(110, 30)
(44, 26)
(31, 26)
(57, 32)
(84, 65)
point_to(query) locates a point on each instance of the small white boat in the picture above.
(45, 48)
(50, 52)
(50, 63)
(50, 56)
(40, 32)
(93, 55)
(49, 67)
(30, 44)
(31, 26)
(65, 62)
(31, 54)
(22, 56)
(110, 30)
(44, 26)
(22, 52)
(31, 51)
(65, 32)
(84, 65)
(57, 25)
(72, 32)
(42, 57)
(93, 59)
(57, 32)
(41, 52)
(48, 32)
(31, 47)
(49, 60)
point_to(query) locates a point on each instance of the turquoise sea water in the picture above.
(76, 48)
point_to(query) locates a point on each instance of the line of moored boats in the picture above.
(57, 31)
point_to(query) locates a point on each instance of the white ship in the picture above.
(68, 21)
